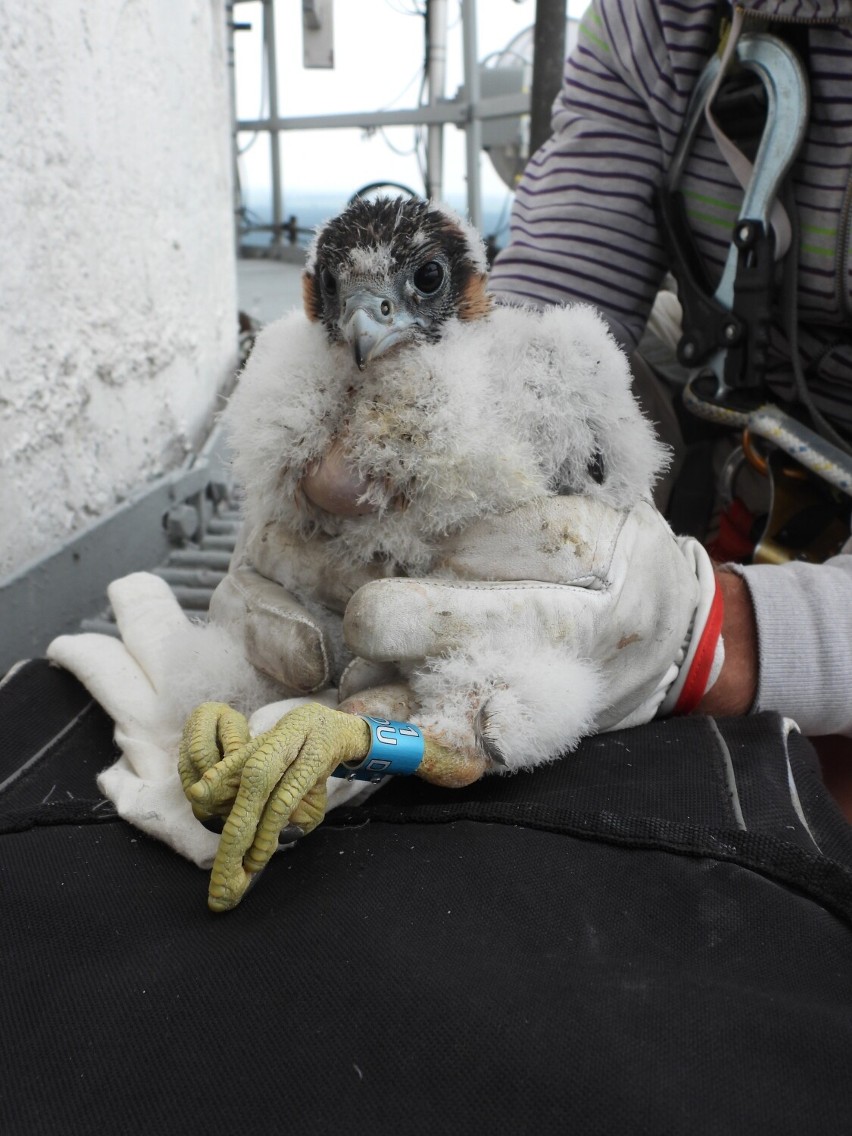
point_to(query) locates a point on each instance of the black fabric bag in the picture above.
(653, 935)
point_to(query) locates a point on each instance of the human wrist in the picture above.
(703, 652)
(735, 689)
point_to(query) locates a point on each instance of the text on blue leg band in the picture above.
(395, 748)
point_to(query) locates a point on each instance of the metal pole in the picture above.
(473, 130)
(436, 63)
(232, 91)
(274, 138)
(548, 65)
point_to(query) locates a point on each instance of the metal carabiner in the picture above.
(780, 71)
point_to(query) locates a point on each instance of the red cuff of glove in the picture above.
(701, 665)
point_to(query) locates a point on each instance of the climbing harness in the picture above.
(726, 330)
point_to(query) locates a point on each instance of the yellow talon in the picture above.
(262, 784)
(278, 780)
(214, 736)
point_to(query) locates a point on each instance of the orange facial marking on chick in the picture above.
(475, 301)
(310, 299)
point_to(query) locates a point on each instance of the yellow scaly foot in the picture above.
(277, 781)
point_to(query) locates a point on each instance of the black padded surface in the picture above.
(597, 947)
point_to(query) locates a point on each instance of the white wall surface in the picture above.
(117, 272)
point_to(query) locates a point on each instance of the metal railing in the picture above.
(467, 111)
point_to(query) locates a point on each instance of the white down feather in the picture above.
(501, 410)
(530, 704)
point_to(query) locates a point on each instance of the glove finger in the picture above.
(407, 620)
(363, 674)
(279, 635)
(158, 808)
(299, 566)
(148, 615)
(111, 675)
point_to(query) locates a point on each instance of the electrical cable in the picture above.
(414, 10)
(264, 95)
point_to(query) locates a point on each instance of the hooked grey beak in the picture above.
(366, 337)
(371, 330)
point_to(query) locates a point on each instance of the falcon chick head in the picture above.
(392, 271)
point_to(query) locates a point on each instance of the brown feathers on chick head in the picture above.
(391, 271)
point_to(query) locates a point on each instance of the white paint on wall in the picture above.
(117, 270)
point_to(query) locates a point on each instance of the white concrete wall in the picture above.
(117, 271)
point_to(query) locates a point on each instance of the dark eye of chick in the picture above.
(429, 277)
(328, 282)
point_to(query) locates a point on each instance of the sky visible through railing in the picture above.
(379, 47)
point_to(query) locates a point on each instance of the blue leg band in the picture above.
(395, 748)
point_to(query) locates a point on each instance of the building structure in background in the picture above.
(117, 285)
(119, 290)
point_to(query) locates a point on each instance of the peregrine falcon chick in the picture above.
(407, 405)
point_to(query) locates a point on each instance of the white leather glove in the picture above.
(147, 682)
(608, 613)
(130, 678)
(277, 634)
(295, 646)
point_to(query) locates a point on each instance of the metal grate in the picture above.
(192, 570)
(183, 526)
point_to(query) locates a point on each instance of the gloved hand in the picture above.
(148, 681)
(613, 588)
(131, 678)
(256, 603)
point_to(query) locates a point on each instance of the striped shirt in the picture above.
(584, 227)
